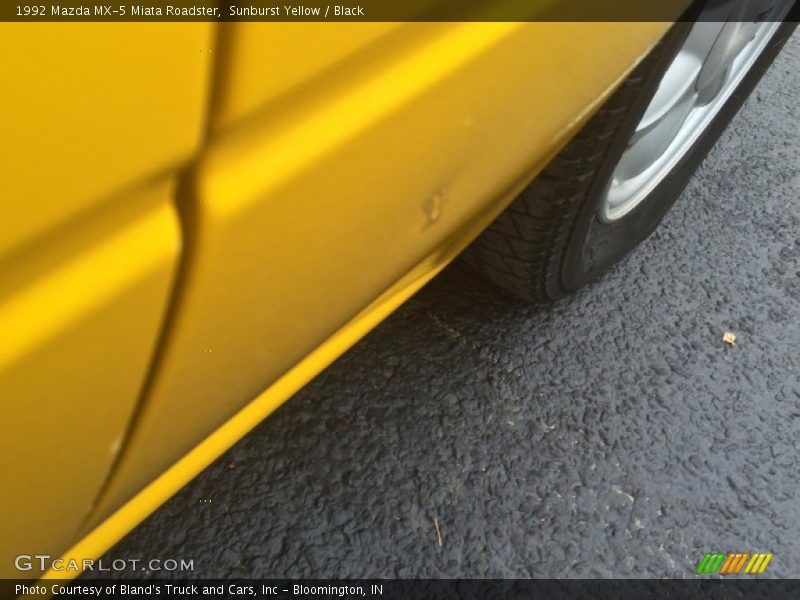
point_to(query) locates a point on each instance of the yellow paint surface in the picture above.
(94, 118)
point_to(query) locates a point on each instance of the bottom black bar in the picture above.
(391, 589)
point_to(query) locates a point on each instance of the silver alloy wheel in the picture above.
(707, 69)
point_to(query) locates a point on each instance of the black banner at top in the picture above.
(379, 10)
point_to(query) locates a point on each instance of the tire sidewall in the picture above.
(595, 246)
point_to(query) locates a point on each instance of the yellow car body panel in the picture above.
(90, 109)
(95, 121)
(76, 344)
(264, 62)
(329, 190)
(308, 213)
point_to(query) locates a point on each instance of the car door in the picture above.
(97, 119)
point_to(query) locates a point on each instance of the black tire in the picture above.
(549, 241)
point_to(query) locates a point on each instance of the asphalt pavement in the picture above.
(614, 434)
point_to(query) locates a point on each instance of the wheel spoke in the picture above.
(677, 83)
(648, 145)
(732, 40)
(716, 54)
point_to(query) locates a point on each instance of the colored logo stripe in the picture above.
(711, 562)
(734, 562)
(758, 563)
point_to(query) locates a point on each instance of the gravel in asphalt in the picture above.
(614, 434)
